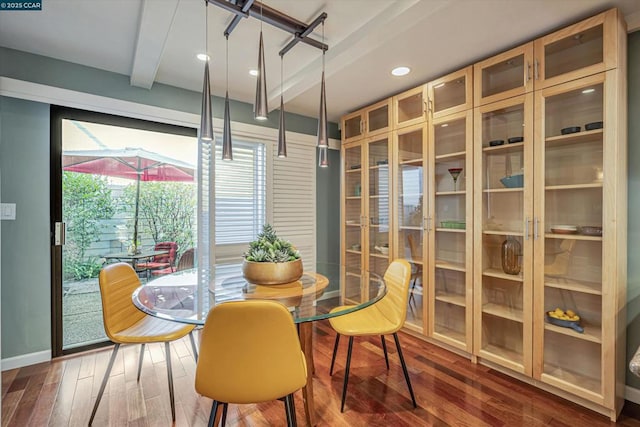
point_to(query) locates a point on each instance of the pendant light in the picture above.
(206, 120)
(322, 119)
(323, 157)
(282, 138)
(260, 108)
(227, 150)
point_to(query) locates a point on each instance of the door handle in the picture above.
(59, 234)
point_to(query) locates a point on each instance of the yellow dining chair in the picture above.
(250, 353)
(382, 318)
(125, 324)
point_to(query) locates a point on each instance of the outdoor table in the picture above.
(178, 297)
(134, 259)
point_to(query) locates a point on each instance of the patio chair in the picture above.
(161, 261)
(186, 262)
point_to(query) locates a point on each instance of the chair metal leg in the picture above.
(104, 382)
(290, 408)
(404, 369)
(335, 351)
(167, 348)
(193, 346)
(212, 416)
(384, 347)
(346, 374)
(224, 414)
(140, 361)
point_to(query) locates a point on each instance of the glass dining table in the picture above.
(187, 296)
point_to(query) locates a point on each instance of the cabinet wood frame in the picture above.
(614, 206)
(467, 344)
(420, 90)
(467, 73)
(526, 273)
(527, 78)
(610, 20)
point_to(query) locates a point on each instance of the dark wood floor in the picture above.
(450, 390)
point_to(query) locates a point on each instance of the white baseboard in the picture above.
(26, 360)
(632, 394)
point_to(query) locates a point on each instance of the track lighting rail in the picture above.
(251, 8)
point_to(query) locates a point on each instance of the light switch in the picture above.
(7, 211)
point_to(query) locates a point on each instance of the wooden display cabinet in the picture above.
(410, 107)
(366, 213)
(580, 237)
(451, 94)
(503, 212)
(410, 148)
(373, 120)
(583, 49)
(504, 76)
(450, 237)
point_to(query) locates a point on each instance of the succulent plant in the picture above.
(268, 247)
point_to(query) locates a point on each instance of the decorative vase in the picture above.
(271, 273)
(511, 250)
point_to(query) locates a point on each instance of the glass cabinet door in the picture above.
(504, 76)
(410, 214)
(378, 204)
(450, 232)
(410, 107)
(451, 93)
(353, 215)
(378, 118)
(580, 50)
(569, 245)
(352, 127)
(503, 243)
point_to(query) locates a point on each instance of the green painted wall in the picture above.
(26, 262)
(633, 246)
(24, 176)
(328, 218)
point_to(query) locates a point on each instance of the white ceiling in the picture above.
(156, 41)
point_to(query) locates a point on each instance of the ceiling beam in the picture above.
(155, 23)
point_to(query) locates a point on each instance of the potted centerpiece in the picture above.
(271, 260)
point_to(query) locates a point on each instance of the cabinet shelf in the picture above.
(448, 265)
(378, 196)
(499, 274)
(574, 186)
(411, 162)
(449, 335)
(566, 379)
(410, 195)
(503, 312)
(503, 232)
(592, 288)
(575, 138)
(349, 273)
(353, 224)
(385, 166)
(376, 255)
(356, 170)
(591, 333)
(410, 227)
(508, 148)
(572, 237)
(503, 190)
(353, 197)
(451, 193)
(454, 299)
(351, 251)
(451, 230)
(451, 156)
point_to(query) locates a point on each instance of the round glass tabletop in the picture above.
(178, 297)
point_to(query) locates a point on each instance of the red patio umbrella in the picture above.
(129, 163)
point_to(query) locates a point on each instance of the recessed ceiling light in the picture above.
(590, 90)
(401, 71)
(253, 72)
(202, 57)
